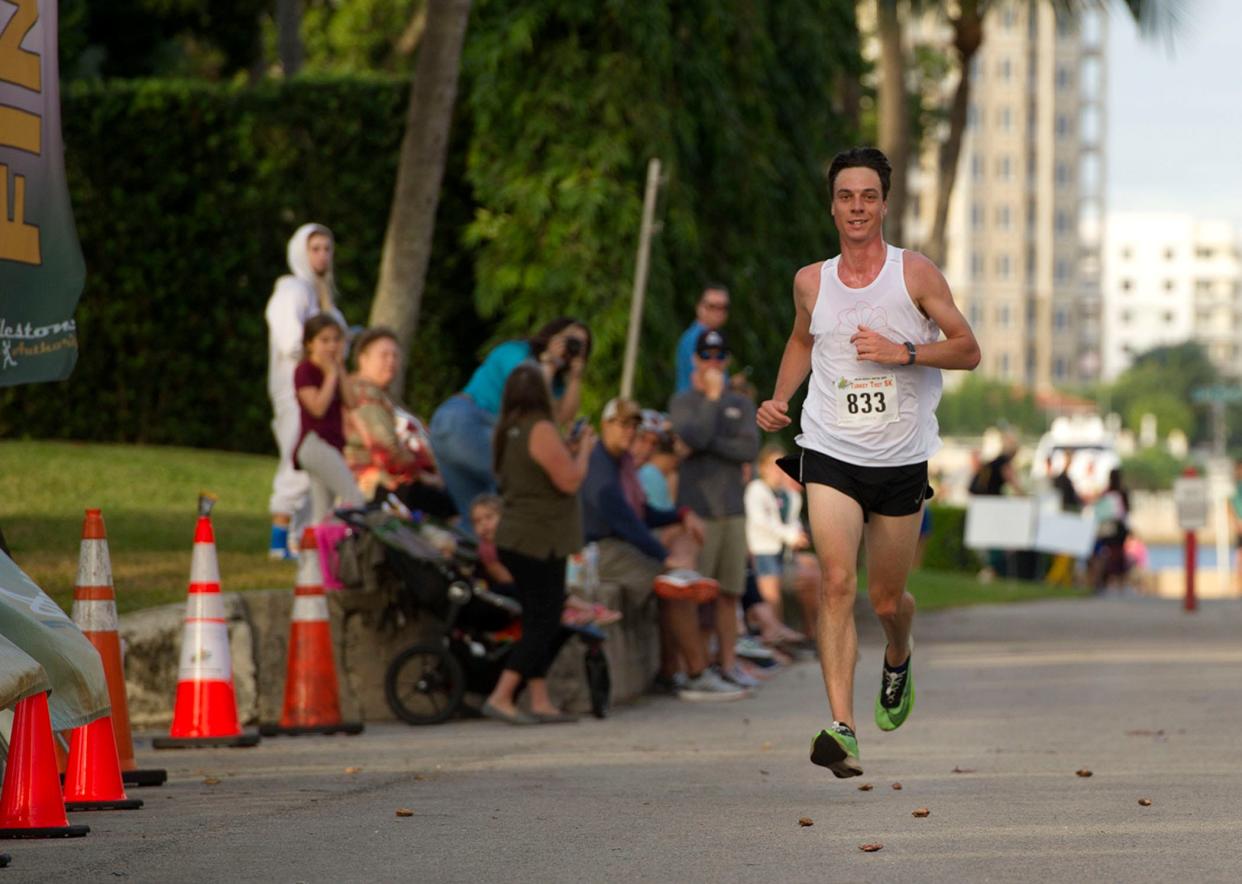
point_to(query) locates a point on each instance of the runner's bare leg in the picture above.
(891, 543)
(836, 528)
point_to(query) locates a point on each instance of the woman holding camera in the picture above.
(540, 526)
(461, 428)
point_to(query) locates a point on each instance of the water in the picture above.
(1164, 557)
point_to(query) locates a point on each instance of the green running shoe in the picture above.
(896, 697)
(836, 748)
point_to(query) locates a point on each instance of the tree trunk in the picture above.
(967, 38)
(894, 122)
(289, 35)
(420, 171)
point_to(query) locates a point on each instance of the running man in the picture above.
(867, 330)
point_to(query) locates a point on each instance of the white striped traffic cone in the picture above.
(94, 612)
(205, 713)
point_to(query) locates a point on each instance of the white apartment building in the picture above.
(1169, 278)
(1025, 220)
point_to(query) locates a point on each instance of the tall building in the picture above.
(1026, 216)
(1170, 278)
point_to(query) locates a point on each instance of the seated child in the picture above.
(485, 517)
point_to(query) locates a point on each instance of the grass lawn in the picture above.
(934, 590)
(149, 499)
(149, 496)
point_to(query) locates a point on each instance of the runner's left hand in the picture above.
(874, 347)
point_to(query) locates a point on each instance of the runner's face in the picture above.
(858, 205)
(319, 251)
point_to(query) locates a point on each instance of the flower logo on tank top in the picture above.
(862, 313)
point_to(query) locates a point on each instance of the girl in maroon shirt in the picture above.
(317, 380)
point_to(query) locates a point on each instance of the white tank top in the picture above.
(866, 413)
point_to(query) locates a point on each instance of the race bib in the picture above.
(867, 402)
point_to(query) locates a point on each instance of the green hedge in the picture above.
(185, 195)
(944, 550)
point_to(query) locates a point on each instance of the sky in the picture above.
(1175, 114)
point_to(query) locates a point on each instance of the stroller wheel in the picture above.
(599, 682)
(424, 684)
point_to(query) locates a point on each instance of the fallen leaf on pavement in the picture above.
(805, 821)
(957, 769)
(897, 787)
(865, 787)
(767, 745)
(870, 848)
(211, 781)
(1145, 802)
(404, 811)
(353, 770)
(1083, 772)
(920, 812)
(762, 771)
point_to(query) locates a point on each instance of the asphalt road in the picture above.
(1012, 701)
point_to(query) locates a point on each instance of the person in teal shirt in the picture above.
(461, 428)
(710, 313)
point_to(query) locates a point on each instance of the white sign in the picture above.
(1001, 522)
(1066, 534)
(1190, 495)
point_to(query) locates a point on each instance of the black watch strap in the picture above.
(910, 350)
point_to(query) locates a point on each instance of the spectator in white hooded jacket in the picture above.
(308, 290)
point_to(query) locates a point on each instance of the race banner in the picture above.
(41, 267)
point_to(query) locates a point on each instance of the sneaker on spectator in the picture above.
(752, 649)
(709, 687)
(682, 584)
(669, 684)
(738, 676)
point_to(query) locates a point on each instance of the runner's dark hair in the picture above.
(865, 157)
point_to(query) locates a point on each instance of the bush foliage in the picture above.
(185, 195)
(570, 98)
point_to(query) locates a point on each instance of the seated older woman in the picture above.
(385, 446)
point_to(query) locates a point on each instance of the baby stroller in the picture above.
(426, 682)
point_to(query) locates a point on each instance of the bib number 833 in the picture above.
(865, 403)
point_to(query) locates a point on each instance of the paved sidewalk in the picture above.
(1011, 702)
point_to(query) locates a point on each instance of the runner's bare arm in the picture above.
(796, 362)
(930, 292)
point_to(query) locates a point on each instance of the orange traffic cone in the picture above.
(31, 805)
(93, 779)
(94, 612)
(312, 705)
(205, 711)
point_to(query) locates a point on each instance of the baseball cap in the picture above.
(624, 410)
(710, 343)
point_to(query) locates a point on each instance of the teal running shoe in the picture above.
(836, 748)
(896, 697)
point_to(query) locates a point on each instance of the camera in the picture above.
(573, 347)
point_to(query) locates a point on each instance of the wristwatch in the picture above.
(910, 350)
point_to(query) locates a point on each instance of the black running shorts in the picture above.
(886, 491)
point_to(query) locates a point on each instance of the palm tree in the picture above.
(966, 19)
(420, 171)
